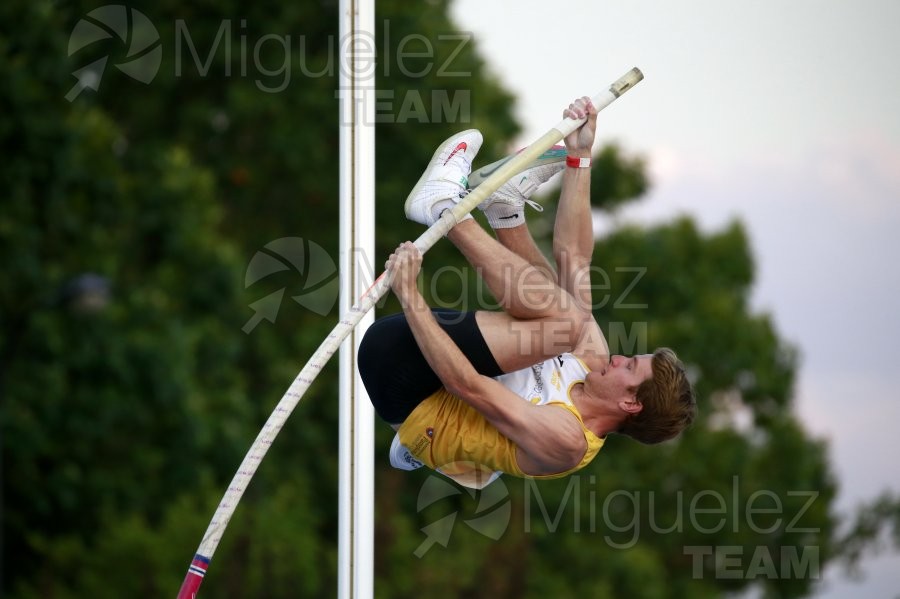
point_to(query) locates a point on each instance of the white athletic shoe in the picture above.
(445, 179)
(505, 208)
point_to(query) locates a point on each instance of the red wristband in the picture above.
(575, 162)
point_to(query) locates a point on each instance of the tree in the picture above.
(117, 420)
(874, 527)
(99, 397)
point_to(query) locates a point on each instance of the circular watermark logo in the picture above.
(487, 511)
(142, 48)
(310, 266)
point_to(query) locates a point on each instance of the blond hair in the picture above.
(667, 399)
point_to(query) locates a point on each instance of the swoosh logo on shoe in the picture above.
(486, 171)
(462, 146)
(509, 217)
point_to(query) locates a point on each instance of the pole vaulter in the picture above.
(348, 321)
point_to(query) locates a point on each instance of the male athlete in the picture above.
(531, 390)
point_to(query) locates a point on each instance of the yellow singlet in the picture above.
(448, 435)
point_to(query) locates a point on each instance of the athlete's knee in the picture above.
(572, 322)
(565, 309)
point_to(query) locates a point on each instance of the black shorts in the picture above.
(396, 374)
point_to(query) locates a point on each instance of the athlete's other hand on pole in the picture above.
(580, 142)
(404, 264)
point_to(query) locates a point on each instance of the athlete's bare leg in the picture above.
(540, 320)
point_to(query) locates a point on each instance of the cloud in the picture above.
(864, 171)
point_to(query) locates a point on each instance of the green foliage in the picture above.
(692, 293)
(874, 527)
(124, 417)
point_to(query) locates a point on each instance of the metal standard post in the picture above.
(357, 248)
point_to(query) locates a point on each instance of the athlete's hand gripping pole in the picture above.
(348, 321)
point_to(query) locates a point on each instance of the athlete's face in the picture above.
(620, 378)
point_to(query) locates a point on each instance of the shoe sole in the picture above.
(431, 166)
(554, 154)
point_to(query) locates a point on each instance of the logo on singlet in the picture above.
(420, 445)
(537, 370)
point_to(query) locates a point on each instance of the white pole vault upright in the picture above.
(356, 493)
(350, 319)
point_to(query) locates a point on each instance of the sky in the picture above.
(785, 115)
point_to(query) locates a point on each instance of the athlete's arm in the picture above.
(550, 440)
(573, 235)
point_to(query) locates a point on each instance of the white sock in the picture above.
(505, 217)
